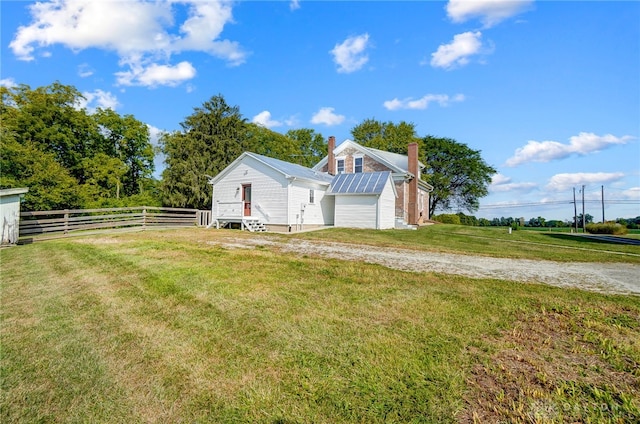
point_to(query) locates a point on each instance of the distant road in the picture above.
(611, 239)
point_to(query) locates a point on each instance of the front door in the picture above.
(246, 199)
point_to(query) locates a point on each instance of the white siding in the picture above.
(268, 192)
(357, 211)
(387, 207)
(320, 212)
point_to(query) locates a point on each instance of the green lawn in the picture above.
(487, 241)
(164, 326)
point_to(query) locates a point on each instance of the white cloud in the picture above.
(422, 103)
(155, 75)
(264, 119)
(294, 4)
(350, 55)
(84, 70)
(502, 183)
(326, 116)
(141, 32)
(563, 182)
(98, 99)
(581, 144)
(490, 12)
(8, 82)
(155, 134)
(457, 53)
(632, 193)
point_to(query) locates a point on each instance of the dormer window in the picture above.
(357, 164)
(340, 166)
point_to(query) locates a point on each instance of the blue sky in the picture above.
(548, 91)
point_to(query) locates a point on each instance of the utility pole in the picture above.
(575, 211)
(583, 219)
(602, 187)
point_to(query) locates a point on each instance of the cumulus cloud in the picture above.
(457, 53)
(326, 116)
(632, 193)
(142, 33)
(502, 183)
(155, 75)
(264, 119)
(8, 82)
(563, 182)
(98, 99)
(581, 144)
(350, 55)
(422, 103)
(490, 12)
(294, 4)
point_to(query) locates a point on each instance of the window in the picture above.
(339, 166)
(357, 164)
(312, 196)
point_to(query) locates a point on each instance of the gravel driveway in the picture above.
(617, 278)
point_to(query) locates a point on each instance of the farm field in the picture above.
(171, 326)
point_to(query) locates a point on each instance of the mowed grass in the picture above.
(487, 241)
(172, 327)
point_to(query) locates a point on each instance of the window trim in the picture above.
(355, 171)
(344, 165)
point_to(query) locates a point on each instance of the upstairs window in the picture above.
(357, 164)
(339, 166)
(312, 197)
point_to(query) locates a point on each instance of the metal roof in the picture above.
(359, 183)
(292, 169)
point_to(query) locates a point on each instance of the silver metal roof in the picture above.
(359, 183)
(292, 169)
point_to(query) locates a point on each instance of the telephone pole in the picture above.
(602, 187)
(583, 226)
(575, 211)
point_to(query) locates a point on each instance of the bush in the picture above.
(447, 218)
(606, 228)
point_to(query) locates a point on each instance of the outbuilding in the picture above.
(10, 213)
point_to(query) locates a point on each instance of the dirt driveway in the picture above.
(616, 278)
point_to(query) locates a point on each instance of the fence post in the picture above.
(66, 221)
(144, 218)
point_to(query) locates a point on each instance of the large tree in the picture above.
(311, 147)
(212, 137)
(385, 136)
(83, 159)
(458, 174)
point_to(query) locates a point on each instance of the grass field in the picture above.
(164, 326)
(488, 241)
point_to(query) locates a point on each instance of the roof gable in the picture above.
(394, 161)
(287, 169)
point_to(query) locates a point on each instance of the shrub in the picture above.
(606, 228)
(447, 218)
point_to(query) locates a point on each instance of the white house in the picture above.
(354, 186)
(10, 213)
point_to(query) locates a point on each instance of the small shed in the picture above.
(10, 213)
(364, 200)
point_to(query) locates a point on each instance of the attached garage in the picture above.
(364, 200)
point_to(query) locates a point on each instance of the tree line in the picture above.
(72, 158)
(537, 222)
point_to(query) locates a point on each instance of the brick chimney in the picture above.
(331, 160)
(413, 214)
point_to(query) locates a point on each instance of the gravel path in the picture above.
(617, 278)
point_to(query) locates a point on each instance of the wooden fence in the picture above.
(62, 222)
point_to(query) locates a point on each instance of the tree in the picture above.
(212, 137)
(310, 145)
(127, 139)
(385, 135)
(458, 174)
(24, 165)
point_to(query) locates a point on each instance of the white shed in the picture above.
(364, 200)
(10, 213)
